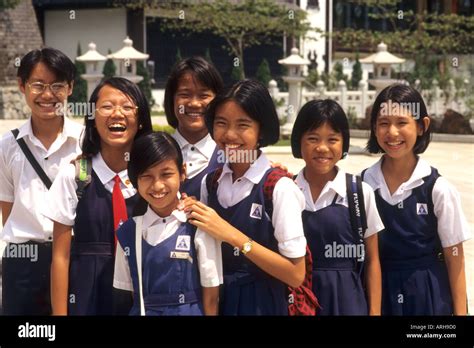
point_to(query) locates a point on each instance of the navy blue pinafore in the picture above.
(248, 290)
(91, 268)
(192, 187)
(414, 275)
(337, 260)
(170, 274)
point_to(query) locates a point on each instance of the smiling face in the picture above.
(321, 149)
(43, 105)
(159, 186)
(117, 129)
(397, 134)
(190, 102)
(235, 131)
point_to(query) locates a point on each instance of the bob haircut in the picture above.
(255, 100)
(399, 94)
(314, 114)
(152, 149)
(202, 70)
(54, 59)
(91, 144)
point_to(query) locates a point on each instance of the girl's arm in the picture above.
(373, 275)
(210, 300)
(289, 271)
(60, 268)
(454, 257)
(6, 210)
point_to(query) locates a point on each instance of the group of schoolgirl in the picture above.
(162, 227)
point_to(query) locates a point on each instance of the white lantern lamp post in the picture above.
(127, 58)
(295, 65)
(93, 75)
(382, 62)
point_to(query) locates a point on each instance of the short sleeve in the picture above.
(374, 222)
(288, 205)
(209, 259)
(61, 200)
(122, 278)
(6, 179)
(452, 224)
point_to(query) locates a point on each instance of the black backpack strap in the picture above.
(211, 180)
(83, 174)
(355, 199)
(363, 173)
(360, 192)
(34, 163)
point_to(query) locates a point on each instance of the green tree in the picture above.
(356, 73)
(207, 55)
(338, 73)
(263, 73)
(241, 24)
(313, 77)
(236, 73)
(109, 69)
(145, 84)
(424, 37)
(178, 56)
(79, 91)
(7, 4)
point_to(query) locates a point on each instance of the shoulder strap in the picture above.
(355, 199)
(83, 174)
(269, 186)
(34, 163)
(211, 180)
(138, 253)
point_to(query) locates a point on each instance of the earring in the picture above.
(140, 126)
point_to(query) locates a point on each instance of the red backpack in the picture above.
(302, 300)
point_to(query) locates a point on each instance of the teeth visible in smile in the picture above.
(395, 144)
(232, 146)
(117, 127)
(46, 104)
(194, 114)
(155, 195)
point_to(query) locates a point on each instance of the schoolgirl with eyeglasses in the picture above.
(82, 270)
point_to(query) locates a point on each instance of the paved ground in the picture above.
(455, 161)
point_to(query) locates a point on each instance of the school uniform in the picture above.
(338, 254)
(421, 217)
(25, 280)
(176, 262)
(247, 289)
(200, 158)
(92, 257)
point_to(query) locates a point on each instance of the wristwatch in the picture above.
(247, 247)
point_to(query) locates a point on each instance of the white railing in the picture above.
(436, 99)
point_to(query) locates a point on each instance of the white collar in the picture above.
(374, 176)
(150, 218)
(105, 174)
(206, 145)
(338, 185)
(70, 129)
(256, 171)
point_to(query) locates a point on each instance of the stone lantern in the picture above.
(93, 75)
(127, 58)
(295, 65)
(382, 62)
